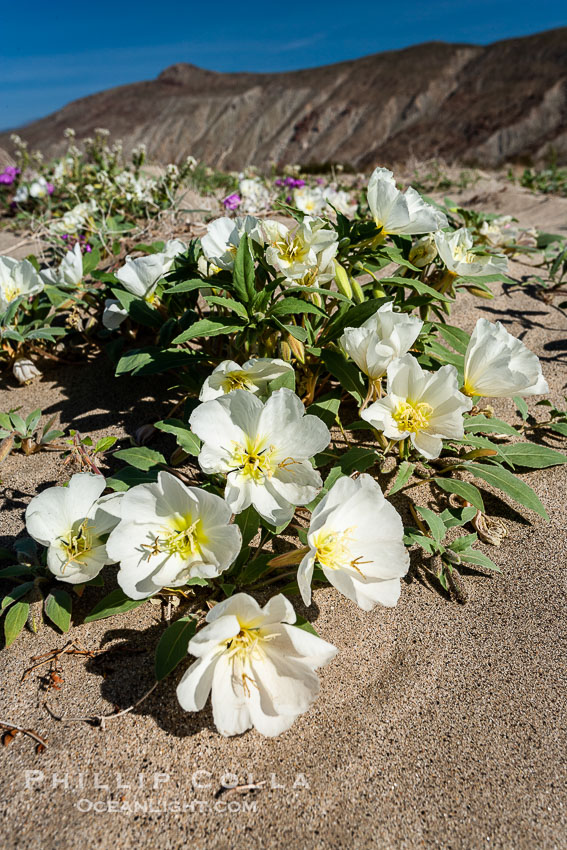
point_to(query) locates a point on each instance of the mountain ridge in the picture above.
(458, 102)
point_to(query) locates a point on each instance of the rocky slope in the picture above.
(488, 105)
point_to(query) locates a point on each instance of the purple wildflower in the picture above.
(9, 175)
(50, 188)
(232, 201)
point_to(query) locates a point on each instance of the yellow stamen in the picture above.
(412, 416)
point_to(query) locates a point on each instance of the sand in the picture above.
(439, 725)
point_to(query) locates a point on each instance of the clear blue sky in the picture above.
(54, 52)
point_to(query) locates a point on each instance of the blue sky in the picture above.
(61, 51)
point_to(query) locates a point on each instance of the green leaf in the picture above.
(115, 603)
(15, 571)
(357, 459)
(434, 521)
(532, 455)
(244, 276)
(453, 517)
(58, 608)
(209, 327)
(463, 489)
(473, 556)
(230, 304)
(255, 569)
(140, 457)
(290, 305)
(456, 337)
(504, 480)
(418, 285)
(413, 535)
(302, 623)
(129, 477)
(248, 522)
(188, 441)
(15, 621)
(287, 381)
(521, 406)
(346, 372)
(559, 428)
(483, 424)
(405, 472)
(187, 286)
(104, 444)
(326, 408)
(173, 644)
(16, 592)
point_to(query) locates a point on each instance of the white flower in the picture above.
(223, 236)
(113, 314)
(173, 248)
(142, 275)
(340, 200)
(380, 339)
(309, 200)
(255, 196)
(304, 255)
(75, 219)
(70, 270)
(24, 370)
(263, 449)
(396, 212)
(427, 407)
(169, 533)
(18, 278)
(73, 523)
(356, 536)
(455, 251)
(259, 666)
(254, 376)
(498, 364)
(423, 251)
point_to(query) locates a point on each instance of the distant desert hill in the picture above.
(485, 105)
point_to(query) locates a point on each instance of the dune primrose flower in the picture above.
(220, 242)
(356, 536)
(380, 339)
(254, 376)
(398, 212)
(169, 533)
(498, 364)
(70, 271)
(427, 407)
(17, 278)
(259, 666)
(455, 251)
(263, 449)
(74, 523)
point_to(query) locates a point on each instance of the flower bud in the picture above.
(342, 280)
(25, 370)
(423, 252)
(297, 347)
(480, 293)
(285, 351)
(357, 292)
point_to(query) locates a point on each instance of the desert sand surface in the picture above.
(438, 725)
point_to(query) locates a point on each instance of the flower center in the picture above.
(237, 381)
(254, 460)
(333, 550)
(291, 249)
(310, 277)
(10, 292)
(77, 543)
(186, 539)
(412, 416)
(183, 537)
